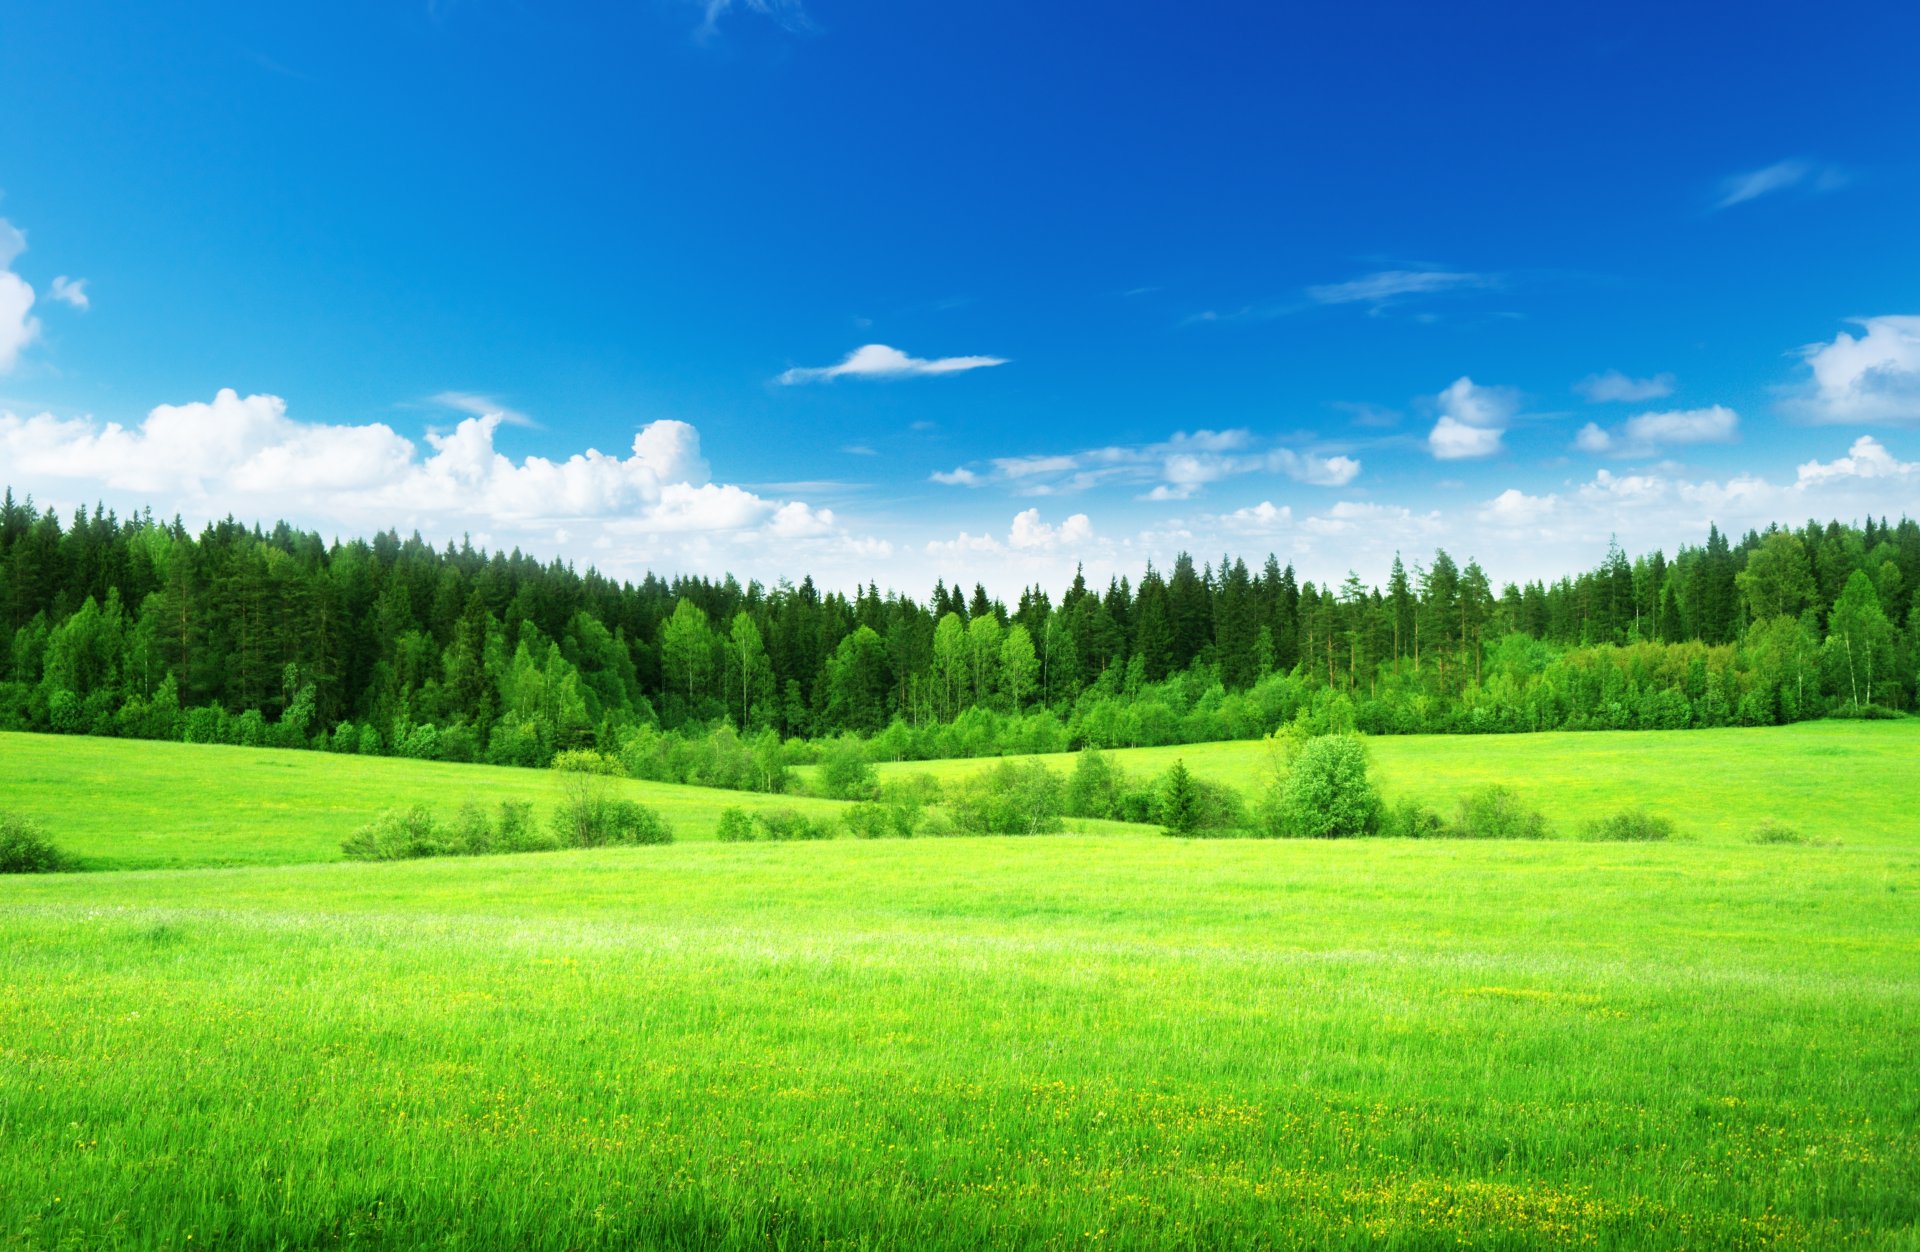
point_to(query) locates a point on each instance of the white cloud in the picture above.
(1780, 176)
(1516, 508)
(1866, 459)
(877, 360)
(1614, 386)
(1452, 440)
(1717, 424)
(483, 406)
(1259, 519)
(657, 505)
(788, 14)
(1593, 437)
(70, 291)
(18, 326)
(1647, 434)
(1386, 285)
(1472, 420)
(1030, 532)
(1177, 468)
(1872, 378)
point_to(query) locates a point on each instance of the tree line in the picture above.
(141, 628)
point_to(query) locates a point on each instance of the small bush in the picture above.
(1326, 793)
(782, 825)
(734, 826)
(1496, 812)
(891, 816)
(1409, 819)
(1770, 831)
(1096, 787)
(399, 835)
(514, 831)
(1628, 826)
(1010, 799)
(472, 833)
(587, 761)
(26, 849)
(845, 773)
(867, 820)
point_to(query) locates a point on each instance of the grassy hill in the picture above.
(1849, 781)
(132, 804)
(955, 1043)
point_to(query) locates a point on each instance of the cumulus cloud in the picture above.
(1472, 420)
(1515, 508)
(18, 326)
(1874, 377)
(1177, 468)
(877, 360)
(1866, 459)
(1030, 532)
(1027, 537)
(245, 455)
(1386, 285)
(1613, 386)
(1807, 176)
(1648, 434)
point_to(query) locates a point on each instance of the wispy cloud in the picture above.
(1177, 468)
(1384, 286)
(1806, 176)
(877, 360)
(1613, 387)
(482, 406)
(1647, 434)
(789, 15)
(70, 291)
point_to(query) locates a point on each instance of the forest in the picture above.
(391, 646)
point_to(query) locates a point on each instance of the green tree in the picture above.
(686, 648)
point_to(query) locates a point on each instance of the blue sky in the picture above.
(977, 290)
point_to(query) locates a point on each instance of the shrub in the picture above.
(472, 833)
(1010, 799)
(26, 849)
(845, 773)
(1770, 831)
(867, 820)
(1628, 826)
(587, 761)
(734, 826)
(399, 835)
(514, 831)
(1191, 806)
(788, 824)
(1326, 793)
(1496, 812)
(1409, 819)
(1096, 786)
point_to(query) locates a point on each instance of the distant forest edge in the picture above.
(237, 635)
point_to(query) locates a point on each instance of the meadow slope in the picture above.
(1854, 782)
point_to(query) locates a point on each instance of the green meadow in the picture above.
(1855, 782)
(1111, 1039)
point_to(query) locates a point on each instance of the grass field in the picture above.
(133, 804)
(1074, 1040)
(1855, 782)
